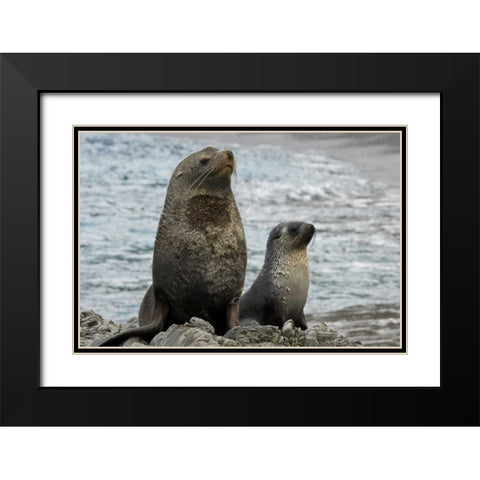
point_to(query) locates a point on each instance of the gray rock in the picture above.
(89, 319)
(158, 339)
(195, 333)
(200, 333)
(311, 338)
(254, 334)
(94, 329)
(298, 340)
(134, 342)
(202, 324)
(227, 342)
(323, 336)
(288, 329)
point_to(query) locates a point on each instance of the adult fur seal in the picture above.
(200, 254)
(280, 291)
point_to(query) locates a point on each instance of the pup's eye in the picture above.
(204, 161)
(292, 229)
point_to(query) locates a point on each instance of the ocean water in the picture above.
(354, 257)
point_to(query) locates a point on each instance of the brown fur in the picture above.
(200, 253)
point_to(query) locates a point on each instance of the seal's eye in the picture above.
(204, 161)
(293, 230)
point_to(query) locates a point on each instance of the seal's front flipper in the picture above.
(301, 322)
(146, 332)
(233, 314)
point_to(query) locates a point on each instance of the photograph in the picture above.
(239, 239)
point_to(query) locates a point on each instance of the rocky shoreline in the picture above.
(198, 333)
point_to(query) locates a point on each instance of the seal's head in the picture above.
(207, 169)
(290, 236)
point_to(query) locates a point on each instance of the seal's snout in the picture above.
(229, 159)
(307, 232)
(226, 162)
(309, 227)
(299, 233)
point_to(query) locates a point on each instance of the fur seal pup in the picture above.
(200, 254)
(280, 291)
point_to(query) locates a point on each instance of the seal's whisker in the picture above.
(237, 175)
(204, 178)
(201, 178)
(197, 179)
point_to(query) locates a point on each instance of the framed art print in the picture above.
(259, 239)
(355, 273)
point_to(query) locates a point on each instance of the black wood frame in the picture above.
(24, 77)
